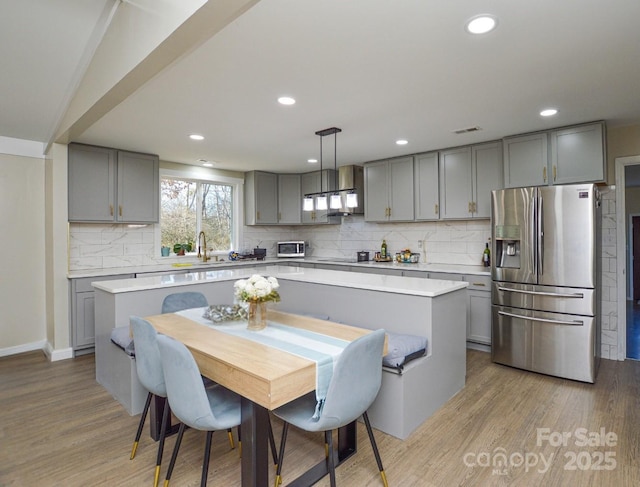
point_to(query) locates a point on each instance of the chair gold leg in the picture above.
(143, 416)
(239, 448)
(157, 476)
(384, 478)
(230, 435)
(133, 450)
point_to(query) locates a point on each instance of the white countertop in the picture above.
(392, 284)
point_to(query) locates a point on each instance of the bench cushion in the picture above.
(123, 339)
(403, 348)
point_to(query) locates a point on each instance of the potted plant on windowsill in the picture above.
(180, 249)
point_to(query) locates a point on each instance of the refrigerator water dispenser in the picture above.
(507, 246)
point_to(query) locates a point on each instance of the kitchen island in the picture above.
(434, 309)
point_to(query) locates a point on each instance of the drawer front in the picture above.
(445, 276)
(479, 283)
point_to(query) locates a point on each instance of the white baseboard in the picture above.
(60, 354)
(27, 347)
(45, 346)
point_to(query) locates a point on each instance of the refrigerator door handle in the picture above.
(532, 243)
(540, 236)
(541, 293)
(544, 320)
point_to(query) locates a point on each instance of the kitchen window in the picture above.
(189, 205)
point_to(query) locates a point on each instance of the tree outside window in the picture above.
(188, 207)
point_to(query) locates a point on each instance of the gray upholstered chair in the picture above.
(185, 300)
(150, 374)
(207, 409)
(354, 385)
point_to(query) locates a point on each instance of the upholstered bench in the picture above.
(123, 376)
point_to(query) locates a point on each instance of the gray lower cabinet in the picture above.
(478, 305)
(83, 312)
(479, 309)
(109, 185)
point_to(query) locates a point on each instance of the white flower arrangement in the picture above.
(257, 289)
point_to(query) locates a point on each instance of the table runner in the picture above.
(322, 349)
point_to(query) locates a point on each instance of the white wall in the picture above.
(22, 224)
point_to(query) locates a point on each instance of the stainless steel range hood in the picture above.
(350, 179)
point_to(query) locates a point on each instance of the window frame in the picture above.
(204, 175)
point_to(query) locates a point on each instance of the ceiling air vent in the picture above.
(467, 130)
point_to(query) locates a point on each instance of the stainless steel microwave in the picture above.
(293, 248)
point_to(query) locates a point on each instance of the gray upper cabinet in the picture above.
(388, 194)
(260, 198)
(486, 175)
(577, 154)
(289, 199)
(568, 155)
(315, 182)
(467, 176)
(426, 191)
(138, 188)
(108, 185)
(525, 160)
(456, 195)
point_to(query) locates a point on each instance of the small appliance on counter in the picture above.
(363, 256)
(257, 253)
(407, 257)
(292, 248)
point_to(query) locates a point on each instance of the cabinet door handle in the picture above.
(257, 215)
(435, 210)
(279, 216)
(544, 174)
(111, 210)
(119, 210)
(554, 174)
(480, 284)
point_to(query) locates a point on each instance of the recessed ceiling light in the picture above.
(481, 24)
(286, 100)
(312, 161)
(196, 137)
(402, 142)
(548, 112)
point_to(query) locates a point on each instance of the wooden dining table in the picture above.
(265, 378)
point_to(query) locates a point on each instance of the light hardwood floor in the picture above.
(58, 427)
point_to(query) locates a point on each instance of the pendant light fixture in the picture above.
(318, 201)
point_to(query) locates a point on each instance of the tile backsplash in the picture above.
(95, 246)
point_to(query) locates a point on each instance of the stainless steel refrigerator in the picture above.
(545, 272)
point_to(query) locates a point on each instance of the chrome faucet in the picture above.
(202, 255)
